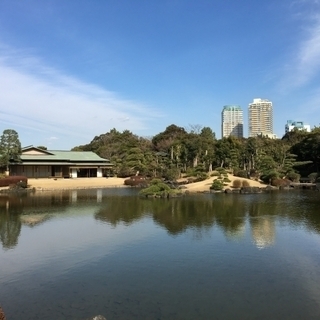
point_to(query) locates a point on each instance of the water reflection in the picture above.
(229, 213)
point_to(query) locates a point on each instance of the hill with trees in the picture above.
(195, 152)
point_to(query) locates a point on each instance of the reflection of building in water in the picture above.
(263, 231)
(74, 196)
(99, 195)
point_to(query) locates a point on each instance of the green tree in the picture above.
(10, 147)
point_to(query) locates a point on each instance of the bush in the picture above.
(253, 173)
(221, 170)
(313, 176)
(226, 180)
(292, 176)
(217, 185)
(245, 183)
(280, 182)
(214, 174)
(241, 173)
(171, 174)
(13, 181)
(266, 178)
(157, 188)
(136, 181)
(237, 183)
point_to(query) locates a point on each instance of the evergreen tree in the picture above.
(10, 147)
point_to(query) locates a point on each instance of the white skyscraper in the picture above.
(260, 118)
(232, 121)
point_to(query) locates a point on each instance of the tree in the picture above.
(10, 147)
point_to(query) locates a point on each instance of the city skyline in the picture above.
(73, 70)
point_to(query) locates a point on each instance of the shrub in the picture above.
(245, 183)
(313, 176)
(241, 173)
(253, 173)
(236, 183)
(13, 180)
(221, 170)
(157, 187)
(136, 181)
(226, 180)
(171, 174)
(280, 182)
(217, 185)
(270, 176)
(293, 176)
(214, 174)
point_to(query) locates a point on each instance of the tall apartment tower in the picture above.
(260, 118)
(232, 121)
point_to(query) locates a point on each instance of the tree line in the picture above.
(196, 152)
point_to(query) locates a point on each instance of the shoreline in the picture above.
(51, 184)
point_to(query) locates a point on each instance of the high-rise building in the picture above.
(232, 121)
(299, 125)
(260, 118)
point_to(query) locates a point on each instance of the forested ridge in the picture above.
(196, 151)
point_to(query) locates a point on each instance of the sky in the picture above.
(72, 70)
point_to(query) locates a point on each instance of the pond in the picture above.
(75, 254)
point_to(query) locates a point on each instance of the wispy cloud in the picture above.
(39, 99)
(304, 64)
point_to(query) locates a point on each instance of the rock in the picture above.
(250, 190)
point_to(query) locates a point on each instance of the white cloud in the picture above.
(39, 99)
(304, 64)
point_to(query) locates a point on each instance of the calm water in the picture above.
(75, 254)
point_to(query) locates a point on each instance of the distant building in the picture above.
(260, 117)
(299, 125)
(232, 121)
(269, 135)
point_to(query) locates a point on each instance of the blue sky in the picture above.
(71, 70)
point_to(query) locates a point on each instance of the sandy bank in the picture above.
(78, 183)
(205, 185)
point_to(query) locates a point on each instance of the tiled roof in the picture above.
(68, 156)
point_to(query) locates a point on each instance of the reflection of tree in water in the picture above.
(230, 214)
(122, 210)
(179, 214)
(10, 224)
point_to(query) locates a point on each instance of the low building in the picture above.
(39, 163)
(298, 125)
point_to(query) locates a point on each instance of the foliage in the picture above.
(245, 183)
(237, 183)
(157, 188)
(176, 151)
(171, 174)
(10, 147)
(226, 180)
(280, 182)
(313, 176)
(241, 173)
(293, 176)
(136, 181)
(269, 176)
(14, 180)
(217, 185)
